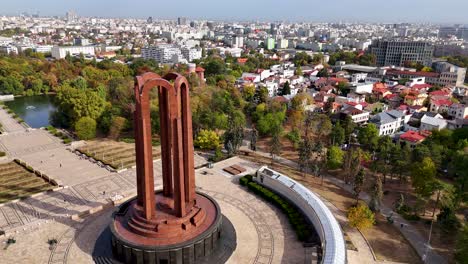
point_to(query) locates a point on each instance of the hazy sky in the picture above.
(437, 11)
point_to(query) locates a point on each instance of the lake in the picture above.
(34, 110)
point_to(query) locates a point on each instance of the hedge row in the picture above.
(296, 219)
(98, 159)
(55, 132)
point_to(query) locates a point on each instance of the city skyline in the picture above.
(300, 10)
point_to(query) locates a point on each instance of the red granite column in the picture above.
(165, 141)
(188, 145)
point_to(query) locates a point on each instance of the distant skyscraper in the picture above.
(445, 32)
(399, 52)
(463, 33)
(210, 25)
(149, 20)
(181, 21)
(71, 16)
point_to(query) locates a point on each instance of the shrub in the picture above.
(2, 154)
(66, 141)
(29, 168)
(361, 217)
(294, 136)
(85, 128)
(207, 139)
(10, 111)
(245, 180)
(128, 140)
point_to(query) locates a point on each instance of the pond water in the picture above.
(34, 110)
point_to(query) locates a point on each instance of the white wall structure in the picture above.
(325, 224)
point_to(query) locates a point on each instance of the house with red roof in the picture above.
(412, 138)
(440, 106)
(415, 98)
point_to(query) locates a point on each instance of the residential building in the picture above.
(270, 43)
(389, 122)
(432, 123)
(163, 53)
(440, 106)
(358, 116)
(399, 52)
(458, 111)
(412, 138)
(59, 52)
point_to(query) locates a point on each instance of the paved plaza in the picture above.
(9, 124)
(262, 234)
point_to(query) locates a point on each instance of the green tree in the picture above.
(337, 134)
(299, 71)
(334, 157)
(305, 153)
(286, 89)
(323, 73)
(376, 194)
(461, 250)
(358, 184)
(361, 217)
(369, 136)
(77, 103)
(275, 147)
(85, 128)
(348, 126)
(423, 178)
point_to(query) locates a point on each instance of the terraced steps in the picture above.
(16, 182)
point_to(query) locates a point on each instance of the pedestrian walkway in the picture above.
(411, 234)
(9, 123)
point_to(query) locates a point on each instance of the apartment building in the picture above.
(398, 52)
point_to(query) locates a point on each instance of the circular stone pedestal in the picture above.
(195, 243)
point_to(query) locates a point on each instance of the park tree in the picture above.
(461, 249)
(207, 139)
(348, 126)
(76, 103)
(352, 163)
(369, 136)
(361, 217)
(234, 135)
(253, 139)
(334, 158)
(376, 194)
(299, 71)
(305, 153)
(286, 89)
(423, 176)
(337, 134)
(85, 128)
(358, 184)
(118, 124)
(248, 92)
(261, 95)
(323, 73)
(320, 125)
(275, 145)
